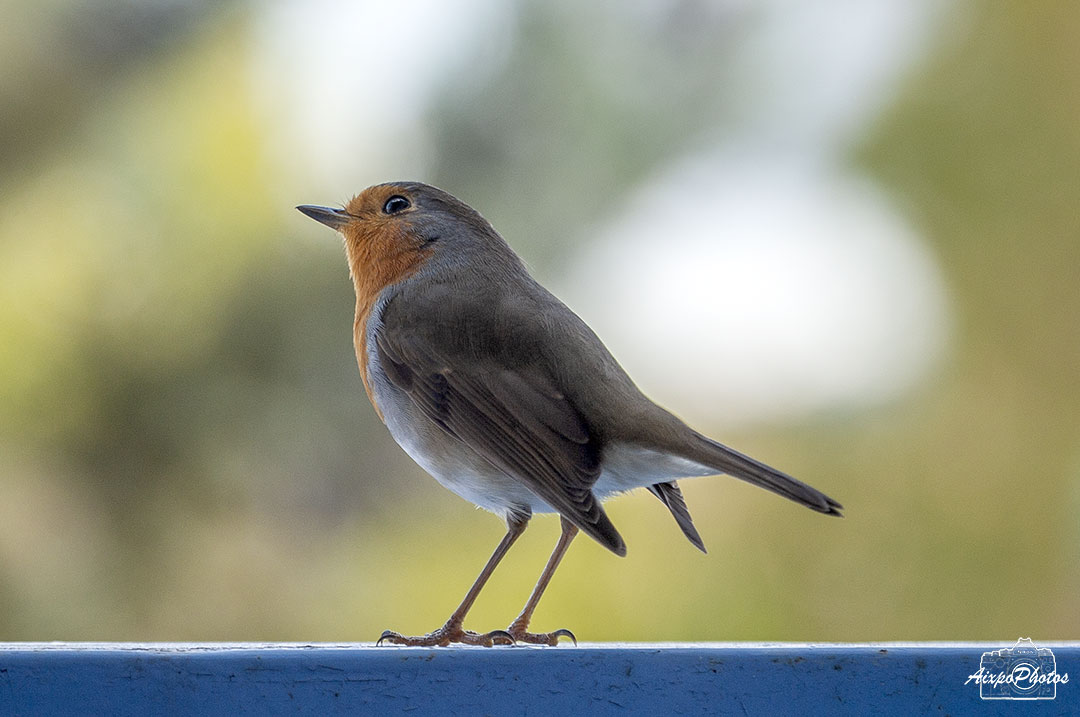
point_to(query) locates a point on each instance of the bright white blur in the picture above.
(735, 291)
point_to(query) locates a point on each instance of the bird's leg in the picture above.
(453, 631)
(518, 628)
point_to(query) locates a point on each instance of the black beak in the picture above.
(333, 218)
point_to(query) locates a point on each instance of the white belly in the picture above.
(627, 466)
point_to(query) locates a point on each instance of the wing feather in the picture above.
(519, 422)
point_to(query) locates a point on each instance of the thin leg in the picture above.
(453, 631)
(518, 628)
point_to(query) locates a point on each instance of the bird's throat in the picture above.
(377, 260)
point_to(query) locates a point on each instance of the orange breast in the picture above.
(380, 255)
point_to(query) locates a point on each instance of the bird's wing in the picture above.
(516, 420)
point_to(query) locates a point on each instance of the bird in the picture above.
(504, 395)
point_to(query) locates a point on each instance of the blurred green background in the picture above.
(186, 451)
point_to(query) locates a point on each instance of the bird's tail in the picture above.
(722, 459)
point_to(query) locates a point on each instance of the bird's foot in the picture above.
(449, 633)
(519, 634)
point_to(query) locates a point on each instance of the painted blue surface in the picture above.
(145, 679)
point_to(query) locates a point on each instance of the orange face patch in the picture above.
(382, 251)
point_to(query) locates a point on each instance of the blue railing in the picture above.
(594, 679)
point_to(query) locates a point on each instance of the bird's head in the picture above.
(391, 230)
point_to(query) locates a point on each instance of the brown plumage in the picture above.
(381, 253)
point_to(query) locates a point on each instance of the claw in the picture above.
(388, 635)
(563, 632)
(501, 634)
(541, 638)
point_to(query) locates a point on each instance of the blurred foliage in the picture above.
(186, 452)
(613, 84)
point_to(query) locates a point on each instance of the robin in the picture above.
(504, 394)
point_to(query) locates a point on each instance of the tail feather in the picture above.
(719, 457)
(672, 497)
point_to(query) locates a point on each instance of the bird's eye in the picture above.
(396, 204)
